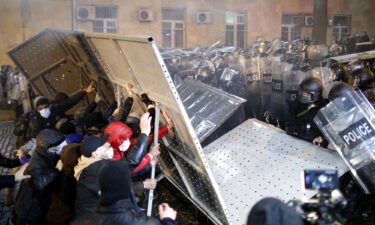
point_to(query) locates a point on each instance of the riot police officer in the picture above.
(300, 121)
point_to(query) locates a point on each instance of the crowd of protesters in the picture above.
(85, 168)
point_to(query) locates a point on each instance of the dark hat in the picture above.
(67, 128)
(49, 138)
(95, 119)
(272, 211)
(42, 101)
(114, 181)
(91, 143)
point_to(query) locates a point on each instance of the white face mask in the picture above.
(45, 113)
(124, 146)
(57, 149)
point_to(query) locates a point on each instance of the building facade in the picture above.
(182, 23)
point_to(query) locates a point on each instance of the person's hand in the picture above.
(165, 211)
(149, 184)
(59, 165)
(116, 112)
(145, 123)
(90, 88)
(167, 118)
(154, 161)
(20, 153)
(128, 89)
(318, 140)
(18, 176)
(98, 98)
(154, 150)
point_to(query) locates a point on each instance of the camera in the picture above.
(327, 207)
(321, 180)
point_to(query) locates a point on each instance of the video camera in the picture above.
(327, 206)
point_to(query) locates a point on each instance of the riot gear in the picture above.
(311, 90)
(339, 89)
(363, 79)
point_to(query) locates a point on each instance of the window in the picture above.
(341, 25)
(235, 28)
(105, 19)
(290, 27)
(173, 27)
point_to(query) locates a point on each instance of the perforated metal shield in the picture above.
(137, 60)
(257, 160)
(207, 107)
(56, 61)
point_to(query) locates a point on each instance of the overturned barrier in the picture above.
(227, 177)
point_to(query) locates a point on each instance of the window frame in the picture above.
(105, 28)
(232, 29)
(173, 19)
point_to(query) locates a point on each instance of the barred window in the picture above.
(290, 26)
(106, 19)
(173, 28)
(236, 28)
(341, 25)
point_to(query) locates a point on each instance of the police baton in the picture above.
(156, 136)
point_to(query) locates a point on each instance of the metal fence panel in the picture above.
(257, 160)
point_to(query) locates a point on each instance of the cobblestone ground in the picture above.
(7, 146)
(7, 141)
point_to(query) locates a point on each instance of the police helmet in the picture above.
(310, 90)
(339, 89)
(363, 79)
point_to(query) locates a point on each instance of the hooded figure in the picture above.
(34, 195)
(119, 139)
(115, 206)
(271, 211)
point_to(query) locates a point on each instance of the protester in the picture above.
(115, 205)
(46, 115)
(34, 194)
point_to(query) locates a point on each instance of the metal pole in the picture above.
(118, 96)
(156, 136)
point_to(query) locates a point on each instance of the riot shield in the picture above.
(266, 84)
(349, 124)
(277, 107)
(253, 105)
(326, 76)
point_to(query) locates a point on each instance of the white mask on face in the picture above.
(57, 149)
(124, 146)
(45, 113)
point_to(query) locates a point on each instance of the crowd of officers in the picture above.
(284, 83)
(87, 168)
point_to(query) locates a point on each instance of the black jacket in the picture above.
(119, 213)
(6, 181)
(87, 196)
(88, 186)
(9, 163)
(34, 195)
(301, 124)
(38, 123)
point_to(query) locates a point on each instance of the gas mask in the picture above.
(57, 149)
(124, 146)
(45, 113)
